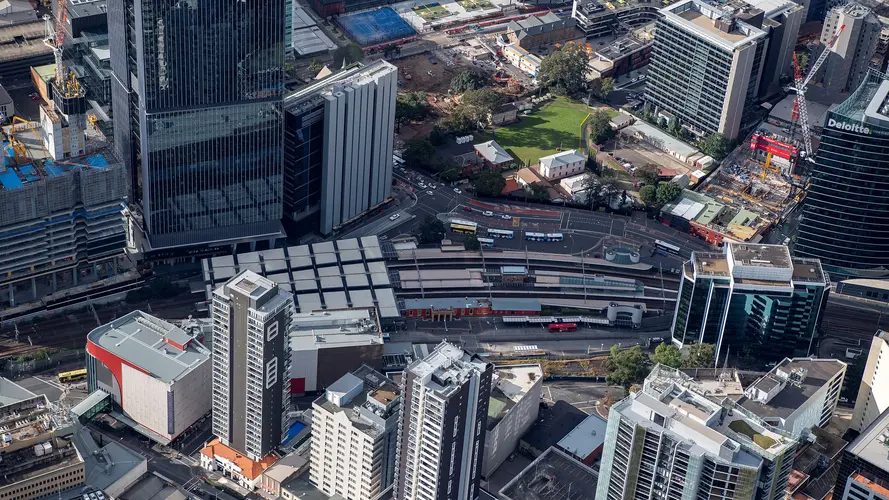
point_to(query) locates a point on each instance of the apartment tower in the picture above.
(850, 58)
(197, 89)
(671, 441)
(711, 61)
(354, 435)
(251, 359)
(441, 435)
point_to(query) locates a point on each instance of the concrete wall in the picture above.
(145, 400)
(873, 394)
(192, 397)
(503, 439)
(359, 120)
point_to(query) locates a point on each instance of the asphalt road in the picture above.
(584, 230)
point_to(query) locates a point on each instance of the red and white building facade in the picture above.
(159, 377)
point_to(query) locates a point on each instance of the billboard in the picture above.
(774, 146)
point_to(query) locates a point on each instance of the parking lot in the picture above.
(582, 395)
(50, 386)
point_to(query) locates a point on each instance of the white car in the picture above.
(393, 217)
(488, 213)
(430, 193)
(506, 217)
(432, 186)
(457, 190)
(422, 186)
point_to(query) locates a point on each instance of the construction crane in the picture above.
(800, 112)
(66, 81)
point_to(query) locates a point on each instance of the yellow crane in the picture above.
(37, 136)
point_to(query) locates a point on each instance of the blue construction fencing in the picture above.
(375, 26)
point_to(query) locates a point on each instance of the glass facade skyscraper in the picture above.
(752, 296)
(197, 94)
(845, 219)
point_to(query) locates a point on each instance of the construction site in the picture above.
(62, 196)
(762, 181)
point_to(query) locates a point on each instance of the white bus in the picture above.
(486, 242)
(500, 233)
(554, 237)
(663, 246)
(535, 236)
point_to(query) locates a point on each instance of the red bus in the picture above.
(563, 327)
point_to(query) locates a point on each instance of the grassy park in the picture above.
(555, 125)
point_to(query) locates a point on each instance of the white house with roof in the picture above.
(493, 154)
(563, 164)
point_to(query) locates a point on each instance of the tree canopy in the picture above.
(627, 366)
(411, 107)
(648, 195)
(489, 183)
(460, 122)
(667, 192)
(648, 173)
(419, 153)
(599, 126)
(481, 102)
(431, 231)
(468, 80)
(700, 356)
(601, 87)
(564, 72)
(667, 354)
(715, 145)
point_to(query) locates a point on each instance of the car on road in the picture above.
(457, 190)
(467, 209)
(488, 213)
(506, 217)
(432, 186)
(422, 186)
(430, 193)
(33, 96)
(394, 216)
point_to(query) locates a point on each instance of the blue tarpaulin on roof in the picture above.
(10, 180)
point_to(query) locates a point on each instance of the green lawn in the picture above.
(431, 11)
(742, 427)
(471, 5)
(556, 124)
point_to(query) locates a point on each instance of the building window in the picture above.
(271, 372)
(272, 331)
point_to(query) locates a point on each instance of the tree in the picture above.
(700, 356)
(489, 183)
(468, 80)
(599, 127)
(419, 153)
(667, 192)
(667, 354)
(471, 243)
(450, 173)
(347, 54)
(437, 135)
(564, 72)
(460, 122)
(431, 231)
(648, 173)
(411, 107)
(315, 66)
(606, 87)
(592, 187)
(715, 145)
(626, 366)
(536, 192)
(481, 102)
(648, 195)
(675, 128)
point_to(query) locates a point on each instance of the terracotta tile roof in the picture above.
(249, 468)
(511, 186)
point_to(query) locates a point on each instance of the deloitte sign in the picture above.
(848, 127)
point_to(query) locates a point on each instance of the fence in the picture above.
(14, 368)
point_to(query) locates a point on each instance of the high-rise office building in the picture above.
(197, 90)
(751, 295)
(873, 393)
(441, 435)
(850, 58)
(709, 62)
(670, 440)
(251, 362)
(338, 146)
(354, 435)
(845, 219)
